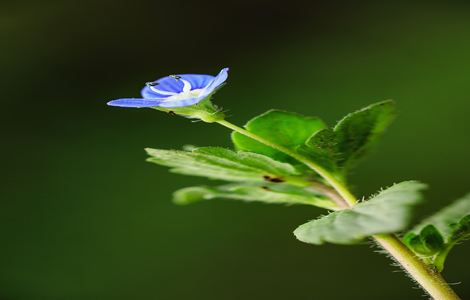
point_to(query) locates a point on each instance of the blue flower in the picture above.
(175, 91)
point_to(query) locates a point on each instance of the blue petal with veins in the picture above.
(175, 91)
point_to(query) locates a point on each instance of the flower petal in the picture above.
(147, 93)
(135, 102)
(216, 82)
(170, 84)
(197, 81)
(171, 91)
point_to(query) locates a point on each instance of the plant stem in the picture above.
(332, 194)
(428, 278)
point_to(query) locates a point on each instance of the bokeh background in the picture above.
(84, 217)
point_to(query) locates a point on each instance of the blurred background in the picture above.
(83, 216)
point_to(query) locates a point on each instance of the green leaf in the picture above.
(321, 148)
(334, 149)
(224, 164)
(190, 194)
(451, 224)
(268, 193)
(338, 149)
(387, 212)
(428, 242)
(461, 230)
(358, 131)
(446, 219)
(287, 129)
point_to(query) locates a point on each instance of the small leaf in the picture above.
(287, 129)
(324, 140)
(387, 212)
(452, 224)
(338, 149)
(269, 193)
(431, 238)
(358, 131)
(461, 230)
(428, 242)
(321, 148)
(223, 164)
(190, 194)
(446, 219)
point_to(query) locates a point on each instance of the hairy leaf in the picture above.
(284, 128)
(351, 138)
(358, 131)
(446, 219)
(438, 234)
(427, 242)
(387, 212)
(269, 193)
(223, 164)
(321, 147)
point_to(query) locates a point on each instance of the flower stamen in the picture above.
(187, 86)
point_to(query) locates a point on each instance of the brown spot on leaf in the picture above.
(272, 179)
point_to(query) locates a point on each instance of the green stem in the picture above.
(429, 279)
(441, 257)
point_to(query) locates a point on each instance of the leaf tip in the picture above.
(189, 195)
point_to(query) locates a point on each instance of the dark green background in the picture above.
(84, 217)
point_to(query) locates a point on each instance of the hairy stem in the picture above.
(332, 194)
(429, 279)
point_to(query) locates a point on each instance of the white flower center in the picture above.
(184, 95)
